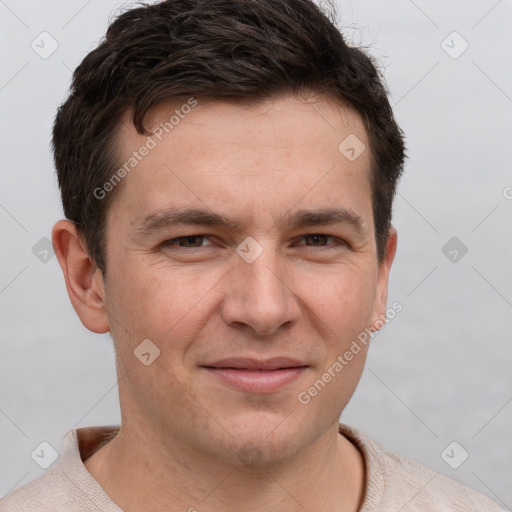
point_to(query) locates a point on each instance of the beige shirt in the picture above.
(393, 483)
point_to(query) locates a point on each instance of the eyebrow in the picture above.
(169, 217)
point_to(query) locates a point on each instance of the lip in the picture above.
(257, 376)
(247, 363)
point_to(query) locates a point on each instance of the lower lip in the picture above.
(258, 381)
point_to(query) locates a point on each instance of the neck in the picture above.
(139, 474)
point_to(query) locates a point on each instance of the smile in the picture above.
(257, 381)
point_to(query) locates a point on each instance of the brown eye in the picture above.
(320, 240)
(316, 239)
(187, 242)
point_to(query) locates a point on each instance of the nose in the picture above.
(260, 295)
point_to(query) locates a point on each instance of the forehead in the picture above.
(234, 118)
(265, 155)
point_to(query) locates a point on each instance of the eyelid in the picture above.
(338, 239)
(167, 243)
(170, 240)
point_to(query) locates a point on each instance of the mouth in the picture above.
(257, 376)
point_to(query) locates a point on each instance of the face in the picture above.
(242, 246)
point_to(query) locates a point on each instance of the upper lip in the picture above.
(245, 363)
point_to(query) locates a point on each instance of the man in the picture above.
(227, 170)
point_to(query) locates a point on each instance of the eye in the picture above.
(195, 241)
(318, 238)
(188, 242)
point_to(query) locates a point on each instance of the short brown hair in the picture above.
(220, 50)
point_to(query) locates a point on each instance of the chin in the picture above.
(263, 439)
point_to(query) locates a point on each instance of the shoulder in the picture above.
(66, 485)
(395, 483)
(424, 489)
(39, 495)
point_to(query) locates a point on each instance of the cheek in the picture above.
(164, 305)
(342, 301)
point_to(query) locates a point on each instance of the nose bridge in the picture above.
(259, 292)
(265, 275)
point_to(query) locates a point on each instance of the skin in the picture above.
(183, 432)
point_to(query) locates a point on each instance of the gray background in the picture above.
(438, 373)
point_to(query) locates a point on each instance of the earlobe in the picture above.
(379, 316)
(84, 281)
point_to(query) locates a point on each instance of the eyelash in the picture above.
(171, 242)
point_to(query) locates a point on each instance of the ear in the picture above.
(84, 281)
(379, 311)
